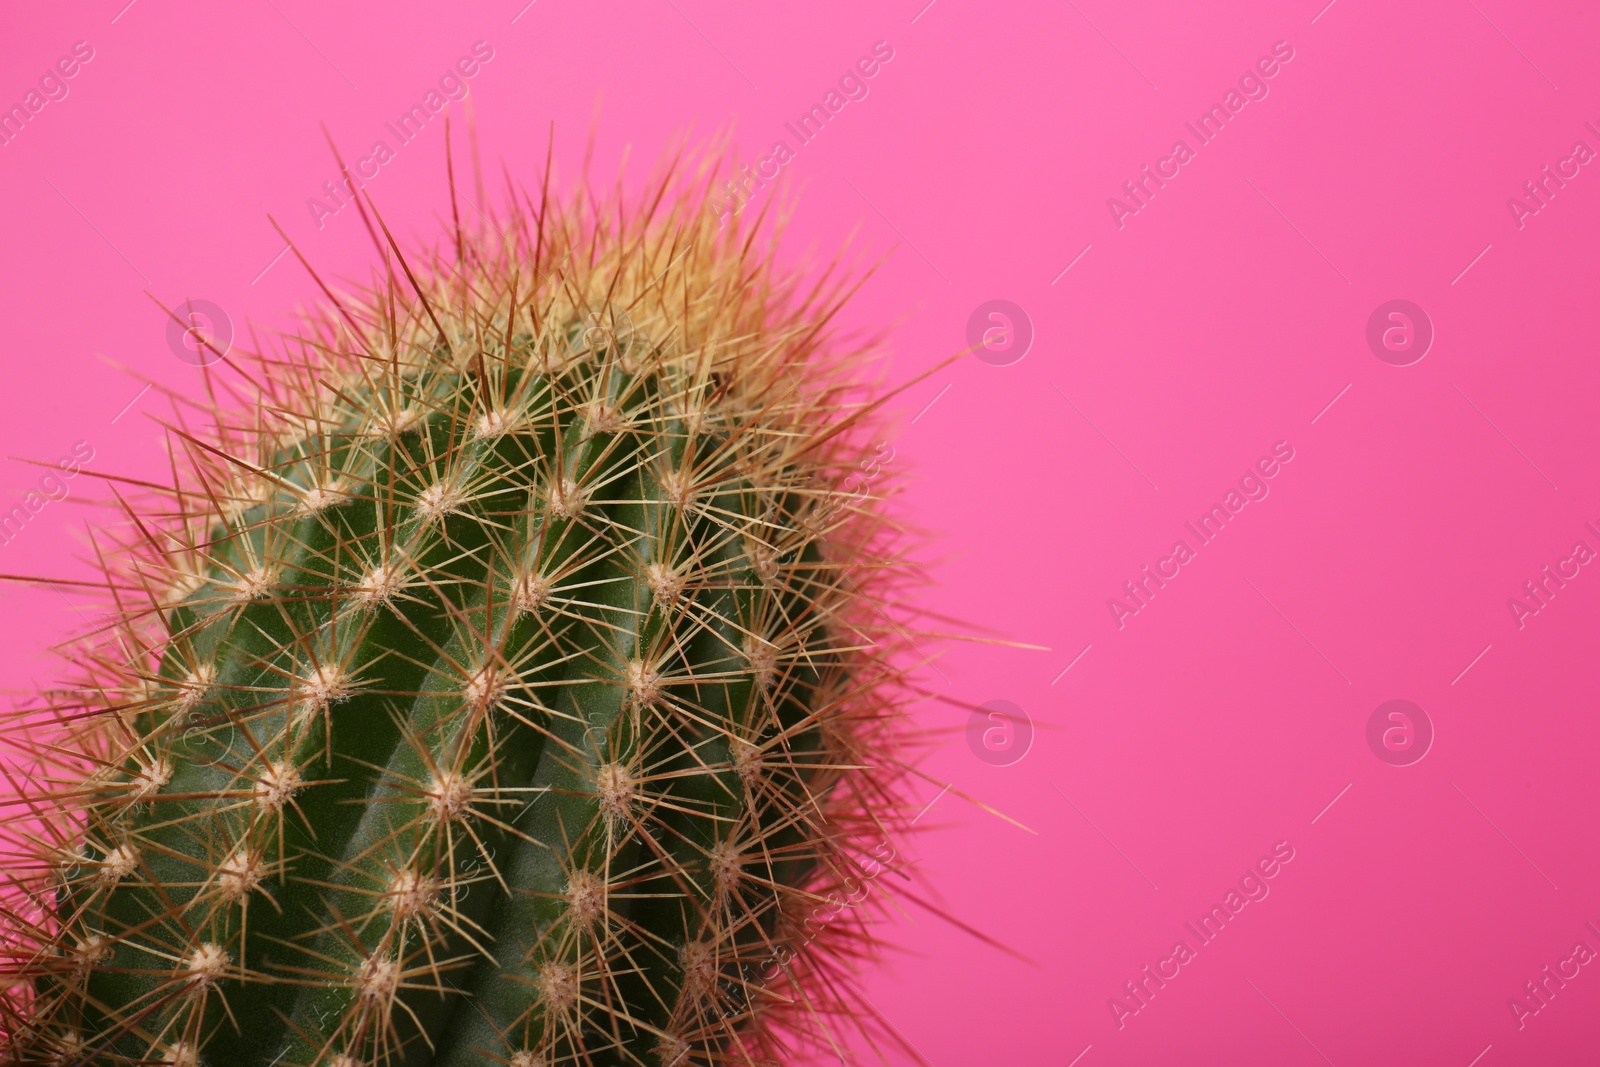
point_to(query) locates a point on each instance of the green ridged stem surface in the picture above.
(463, 729)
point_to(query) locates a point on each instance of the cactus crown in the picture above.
(499, 680)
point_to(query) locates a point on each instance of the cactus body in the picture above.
(483, 693)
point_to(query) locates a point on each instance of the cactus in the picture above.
(500, 680)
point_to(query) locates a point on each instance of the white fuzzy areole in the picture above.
(254, 585)
(278, 784)
(69, 1050)
(699, 961)
(494, 423)
(380, 584)
(665, 583)
(586, 896)
(616, 788)
(192, 690)
(119, 863)
(450, 797)
(568, 499)
(320, 498)
(747, 762)
(530, 593)
(672, 1050)
(326, 685)
(679, 488)
(93, 949)
(377, 980)
(240, 874)
(148, 782)
(413, 896)
(762, 656)
(727, 866)
(558, 986)
(765, 562)
(207, 966)
(398, 423)
(644, 684)
(601, 418)
(181, 1054)
(439, 500)
(486, 689)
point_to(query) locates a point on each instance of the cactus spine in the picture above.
(498, 684)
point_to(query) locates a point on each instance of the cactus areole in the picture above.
(500, 680)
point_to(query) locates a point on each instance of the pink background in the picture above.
(1222, 318)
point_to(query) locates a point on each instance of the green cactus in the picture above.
(501, 683)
